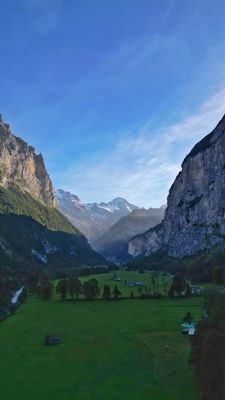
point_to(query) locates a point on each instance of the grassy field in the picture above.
(115, 350)
(162, 282)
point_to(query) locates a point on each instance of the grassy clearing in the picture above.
(123, 350)
(135, 276)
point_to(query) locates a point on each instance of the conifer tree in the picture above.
(116, 292)
(106, 292)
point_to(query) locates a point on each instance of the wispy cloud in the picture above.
(132, 55)
(198, 123)
(168, 10)
(143, 164)
(131, 63)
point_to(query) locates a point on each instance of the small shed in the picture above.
(115, 278)
(188, 328)
(196, 290)
(191, 331)
(52, 339)
(131, 283)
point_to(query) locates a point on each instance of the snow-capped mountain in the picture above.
(92, 219)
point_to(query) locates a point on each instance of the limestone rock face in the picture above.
(20, 165)
(113, 244)
(195, 215)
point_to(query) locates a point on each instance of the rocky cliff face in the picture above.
(195, 216)
(32, 230)
(20, 165)
(113, 245)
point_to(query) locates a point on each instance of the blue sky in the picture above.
(113, 93)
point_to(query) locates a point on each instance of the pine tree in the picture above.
(188, 318)
(106, 293)
(116, 292)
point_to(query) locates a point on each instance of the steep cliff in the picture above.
(194, 220)
(113, 245)
(32, 230)
(20, 165)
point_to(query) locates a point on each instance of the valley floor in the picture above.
(116, 350)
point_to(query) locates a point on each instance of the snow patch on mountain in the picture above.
(92, 219)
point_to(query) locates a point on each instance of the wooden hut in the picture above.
(52, 339)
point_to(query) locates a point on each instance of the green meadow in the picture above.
(162, 283)
(110, 350)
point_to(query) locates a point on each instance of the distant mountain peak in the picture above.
(65, 194)
(93, 219)
(114, 243)
(119, 200)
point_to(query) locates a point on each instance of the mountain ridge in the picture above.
(93, 219)
(32, 230)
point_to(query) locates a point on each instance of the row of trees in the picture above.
(73, 288)
(108, 294)
(44, 288)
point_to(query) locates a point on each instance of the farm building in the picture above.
(188, 328)
(132, 283)
(196, 290)
(115, 278)
(52, 340)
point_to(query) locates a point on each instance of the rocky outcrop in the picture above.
(20, 165)
(32, 230)
(195, 216)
